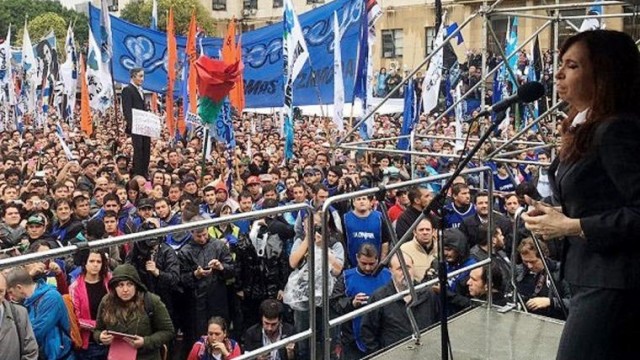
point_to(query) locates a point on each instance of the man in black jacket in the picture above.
(270, 329)
(205, 266)
(387, 325)
(419, 198)
(471, 225)
(133, 98)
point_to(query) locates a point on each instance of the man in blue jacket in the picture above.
(47, 313)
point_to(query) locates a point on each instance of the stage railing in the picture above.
(326, 323)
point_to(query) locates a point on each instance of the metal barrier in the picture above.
(326, 323)
(119, 240)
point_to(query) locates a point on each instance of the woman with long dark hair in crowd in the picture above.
(130, 309)
(86, 293)
(215, 345)
(596, 182)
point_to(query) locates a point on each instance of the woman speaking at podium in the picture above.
(596, 194)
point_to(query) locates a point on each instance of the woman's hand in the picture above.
(105, 338)
(548, 222)
(136, 341)
(220, 346)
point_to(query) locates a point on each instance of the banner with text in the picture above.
(136, 46)
(146, 123)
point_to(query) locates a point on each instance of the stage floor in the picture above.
(487, 334)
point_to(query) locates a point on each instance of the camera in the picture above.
(317, 229)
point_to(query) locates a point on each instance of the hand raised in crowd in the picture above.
(152, 268)
(106, 338)
(36, 269)
(54, 268)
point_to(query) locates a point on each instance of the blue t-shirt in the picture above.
(454, 217)
(362, 230)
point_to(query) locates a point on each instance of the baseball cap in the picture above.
(88, 162)
(309, 170)
(35, 219)
(145, 203)
(266, 178)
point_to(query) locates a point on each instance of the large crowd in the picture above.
(216, 292)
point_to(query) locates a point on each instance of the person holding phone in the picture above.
(215, 345)
(130, 309)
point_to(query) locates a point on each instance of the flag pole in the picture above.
(115, 108)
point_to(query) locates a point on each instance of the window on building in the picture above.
(391, 43)
(277, 4)
(112, 5)
(429, 39)
(499, 26)
(250, 4)
(219, 4)
(315, 1)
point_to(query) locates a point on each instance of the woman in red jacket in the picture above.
(215, 345)
(86, 292)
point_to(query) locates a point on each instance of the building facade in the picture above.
(406, 30)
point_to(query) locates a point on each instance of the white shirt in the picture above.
(580, 118)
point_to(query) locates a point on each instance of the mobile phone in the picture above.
(206, 268)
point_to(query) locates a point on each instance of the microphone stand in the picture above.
(436, 207)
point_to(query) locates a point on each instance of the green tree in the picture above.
(139, 12)
(15, 12)
(42, 24)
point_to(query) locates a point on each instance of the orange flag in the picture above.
(171, 71)
(237, 94)
(154, 102)
(192, 81)
(85, 111)
(231, 53)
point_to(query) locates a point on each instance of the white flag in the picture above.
(6, 79)
(338, 83)
(106, 41)
(98, 78)
(69, 75)
(31, 75)
(431, 83)
(297, 46)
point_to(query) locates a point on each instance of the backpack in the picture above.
(74, 324)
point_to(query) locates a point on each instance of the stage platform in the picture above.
(486, 334)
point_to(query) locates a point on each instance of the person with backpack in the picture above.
(16, 335)
(133, 315)
(47, 313)
(86, 292)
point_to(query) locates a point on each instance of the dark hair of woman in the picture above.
(115, 311)
(104, 270)
(615, 91)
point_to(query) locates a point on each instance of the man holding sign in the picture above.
(133, 98)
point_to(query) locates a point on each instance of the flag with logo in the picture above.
(31, 74)
(295, 55)
(593, 23)
(433, 77)
(69, 76)
(154, 16)
(98, 78)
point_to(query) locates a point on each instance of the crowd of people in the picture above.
(216, 292)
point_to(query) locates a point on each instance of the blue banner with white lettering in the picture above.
(136, 46)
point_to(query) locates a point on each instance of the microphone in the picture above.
(528, 92)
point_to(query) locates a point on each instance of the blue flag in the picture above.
(408, 116)
(360, 82)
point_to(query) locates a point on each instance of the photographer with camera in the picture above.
(157, 264)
